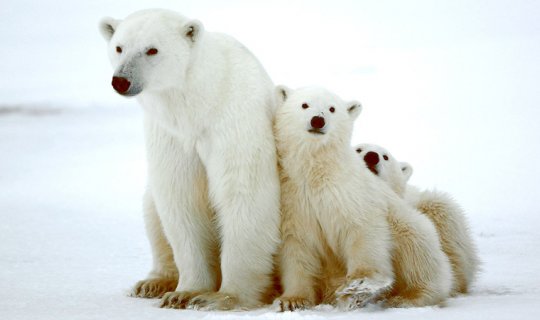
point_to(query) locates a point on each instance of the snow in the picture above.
(462, 74)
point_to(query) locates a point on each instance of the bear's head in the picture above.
(150, 50)
(381, 163)
(314, 116)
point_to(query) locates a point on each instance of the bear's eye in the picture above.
(385, 157)
(332, 109)
(151, 52)
(358, 150)
(305, 106)
(118, 49)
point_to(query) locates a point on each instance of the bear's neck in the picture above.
(315, 162)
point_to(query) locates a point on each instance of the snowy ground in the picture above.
(73, 241)
(449, 86)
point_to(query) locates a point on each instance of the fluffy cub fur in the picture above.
(445, 213)
(347, 237)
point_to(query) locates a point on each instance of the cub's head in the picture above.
(314, 116)
(382, 164)
(150, 50)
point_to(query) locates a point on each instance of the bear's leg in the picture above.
(299, 256)
(299, 268)
(164, 276)
(244, 189)
(454, 234)
(367, 251)
(181, 196)
(424, 270)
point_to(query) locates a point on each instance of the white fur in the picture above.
(211, 156)
(445, 213)
(333, 208)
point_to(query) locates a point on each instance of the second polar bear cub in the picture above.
(347, 237)
(445, 213)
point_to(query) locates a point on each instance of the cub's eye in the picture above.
(332, 109)
(151, 52)
(359, 150)
(118, 49)
(305, 106)
(385, 157)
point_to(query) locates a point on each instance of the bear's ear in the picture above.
(282, 93)
(107, 27)
(406, 169)
(192, 30)
(354, 108)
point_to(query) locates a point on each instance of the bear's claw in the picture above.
(153, 288)
(283, 304)
(213, 301)
(177, 299)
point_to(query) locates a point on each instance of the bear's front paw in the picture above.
(177, 299)
(359, 292)
(283, 304)
(153, 288)
(213, 301)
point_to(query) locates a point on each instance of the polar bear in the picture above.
(345, 233)
(212, 200)
(445, 213)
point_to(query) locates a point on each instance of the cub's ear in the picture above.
(406, 169)
(282, 93)
(354, 108)
(192, 30)
(107, 27)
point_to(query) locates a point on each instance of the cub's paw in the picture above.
(153, 288)
(398, 302)
(213, 301)
(413, 299)
(283, 304)
(358, 292)
(177, 299)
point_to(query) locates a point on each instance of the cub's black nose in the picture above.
(371, 158)
(317, 122)
(121, 85)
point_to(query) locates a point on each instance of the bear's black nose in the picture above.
(371, 158)
(317, 122)
(121, 85)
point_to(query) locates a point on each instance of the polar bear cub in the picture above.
(212, 201)
(445, 213)
(347, 237)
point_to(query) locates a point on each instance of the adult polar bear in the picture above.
(212, 171)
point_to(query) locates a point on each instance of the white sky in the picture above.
(449, 86)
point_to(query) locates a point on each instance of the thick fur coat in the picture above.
(212, 202)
